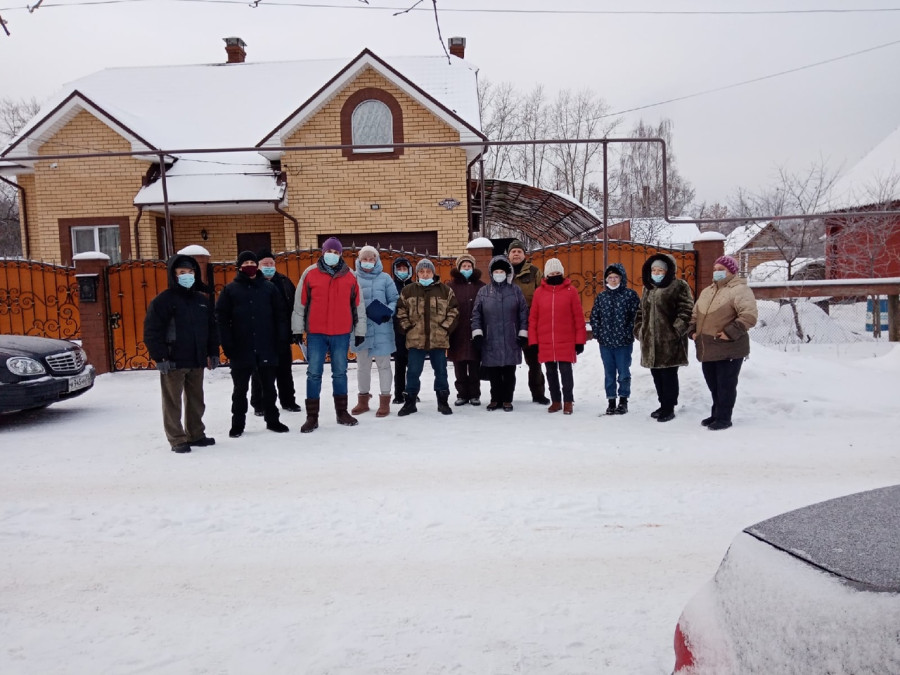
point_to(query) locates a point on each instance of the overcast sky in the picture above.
(735, 137)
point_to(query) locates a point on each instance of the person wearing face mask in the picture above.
(284, 375)
(661, 325)
(465, 282)
(252, 320)
(402, 270)
(427, 311)
(528, 278)
(181, 337)
(556, 328)
(328, 309)
(500, 331)
(724, 312)
(612, 324)
(381, 296)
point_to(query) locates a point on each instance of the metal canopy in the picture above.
(543, 216)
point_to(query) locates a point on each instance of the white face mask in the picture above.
(499, 277)
(612, 286)
(719, 275)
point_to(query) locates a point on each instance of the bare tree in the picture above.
(501, 120)
(639, 191)
(14, 115)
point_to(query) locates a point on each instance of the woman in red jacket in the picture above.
(556, 326)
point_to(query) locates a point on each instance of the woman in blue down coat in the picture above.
(500, 331)
(379, 293)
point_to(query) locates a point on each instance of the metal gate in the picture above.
(132, 285)
(38, 299)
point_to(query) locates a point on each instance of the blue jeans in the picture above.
(616, 367)
(417, 362)
(318, 345)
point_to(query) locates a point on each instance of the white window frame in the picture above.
(95, 229)
(390, 117)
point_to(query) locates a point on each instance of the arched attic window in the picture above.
(369, 117)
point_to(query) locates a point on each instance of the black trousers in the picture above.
(284, 382)
(666, 381)
(535, 374)
(555, 370)
(401, 362)
(468, 379)
(503, 383)
(240, 378)
(722, 378)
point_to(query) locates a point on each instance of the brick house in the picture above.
(796, 245)
(153, 196)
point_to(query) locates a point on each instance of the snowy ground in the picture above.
(479, 543)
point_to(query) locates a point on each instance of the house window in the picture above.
(103, 238)
(372, 124)
(371, 116)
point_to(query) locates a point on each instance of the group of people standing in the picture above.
(485, 327)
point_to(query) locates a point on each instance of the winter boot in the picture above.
(312, 416)
(556, 406)
(398, 397)
(611, 406)
(237, 426)
(362, 404)
(567, 407)
(340, 409)
(622, 408)
(718, 425)
(277, 426)
(444, 407)
(409, 406)
(461, 401)
(384, 405)
(666, 415)
(706, 421)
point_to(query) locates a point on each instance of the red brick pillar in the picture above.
(96, 336)
(709, 246)
(482, 250)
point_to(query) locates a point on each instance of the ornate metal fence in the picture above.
(38, 299)
(132, 285)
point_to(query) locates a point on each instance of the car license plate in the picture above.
(80, 381)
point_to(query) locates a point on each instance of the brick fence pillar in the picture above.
(709, 246)
(96, 337)
(482, 249)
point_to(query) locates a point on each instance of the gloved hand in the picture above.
(165, 366)
(579, 349)
(298, 338)
(478, 342)
(212, 362)
(359, 339)
(523, 341)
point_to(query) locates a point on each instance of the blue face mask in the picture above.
(657, 277)
(331, 259)
(426, 282)
(402, 276)
(466, 273)
(268, 272)
(185, 280)
(719, 275)
(499, 277)
(367, 266)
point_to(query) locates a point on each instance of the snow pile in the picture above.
(482, 542)
(777, 325)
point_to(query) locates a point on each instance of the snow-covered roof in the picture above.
(777, 270)
(875, 179)
(660, 232)
(240, 105)
(741, 236)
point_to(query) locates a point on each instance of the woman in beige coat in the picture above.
(722, 315)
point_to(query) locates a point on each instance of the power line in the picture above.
(753, 80)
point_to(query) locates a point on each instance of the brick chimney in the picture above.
(457, 46)
(234, 47)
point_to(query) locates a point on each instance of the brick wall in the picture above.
(222, 232)
(330, 194)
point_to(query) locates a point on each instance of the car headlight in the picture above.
(22, 365)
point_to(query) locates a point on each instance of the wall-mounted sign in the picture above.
(449, 203)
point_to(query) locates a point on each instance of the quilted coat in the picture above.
(612, 316)
(500, 314)
(556, 322)
(376, 285)
(727, 306)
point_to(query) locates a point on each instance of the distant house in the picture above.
(867, 246)
(141, 207)
(791, 244)
(656, 232)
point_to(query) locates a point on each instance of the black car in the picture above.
(36, 371)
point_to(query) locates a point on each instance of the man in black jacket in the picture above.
(180, 334)
(284, 376)
(252, 320)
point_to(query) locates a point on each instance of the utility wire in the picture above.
(753, 80)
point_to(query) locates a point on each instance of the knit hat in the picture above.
(424, 264)
(246, 256)
(728, 263)
(332, 243)
(515, 243)
(661, 264)
(465, 257)
(368, 251)
(553, 266)
(264, 253)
